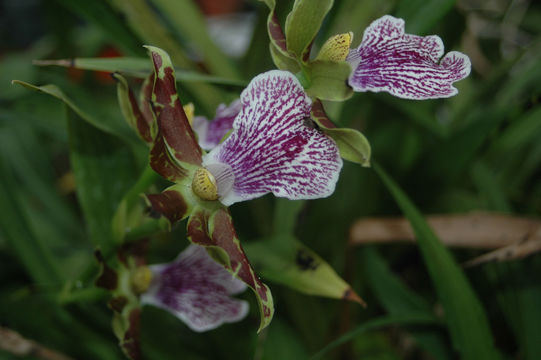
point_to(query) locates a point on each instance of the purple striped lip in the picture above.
(210, 133)
(197, 290)
(271, 149)
(405, 65)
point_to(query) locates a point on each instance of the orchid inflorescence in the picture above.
(275, 139)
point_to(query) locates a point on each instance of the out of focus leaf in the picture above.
(524, 129)
(282, 342)
(100, 13)
(136, 67)
(421, 15)
(397, 299)
(15, 229)
(104, 170)
(146, 23)
(108, 125)
(374, 324)
(187, 19)
(464, 314)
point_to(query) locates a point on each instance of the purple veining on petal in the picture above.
(197, 290)
(271, 149)
(405, 65)
(210, 133)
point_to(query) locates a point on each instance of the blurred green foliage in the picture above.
(479, 150)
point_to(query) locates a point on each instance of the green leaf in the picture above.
(130, 213)
(104, 170)
(107, 125)
(384, 321)
(285, 215)
(101, 14)
(421, 15)
(303, 23)
(137, 67)
(522, 131)
(34, 255)
(465, 316)
(328, 80)
(282, 341)
(287, 261)
(398, 299)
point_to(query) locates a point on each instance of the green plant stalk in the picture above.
(149, 228)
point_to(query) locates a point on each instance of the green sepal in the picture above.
(282, 61)
(293, 264)
(352, 144)
(145, 103)
(131, 111)
(329, 80)
(278, 48)
(215, 231)
(302, 25)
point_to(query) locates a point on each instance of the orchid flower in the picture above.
(210, 133)
(197, 290)
(404, 65)
(271, 149)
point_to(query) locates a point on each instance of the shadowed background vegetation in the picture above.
(477, 151)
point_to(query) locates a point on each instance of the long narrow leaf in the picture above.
(384, 321)
(136, 67)
(398, 299)
(466, 319)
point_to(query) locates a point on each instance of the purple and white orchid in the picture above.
(197, 290)
(210, 133)
(404, 65)
(271, 149)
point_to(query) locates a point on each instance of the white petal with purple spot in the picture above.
(210, 133)
(271, 149)
(197, 290)
(405, 65)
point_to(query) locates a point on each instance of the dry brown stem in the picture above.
(13, 342)
(510, 237)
